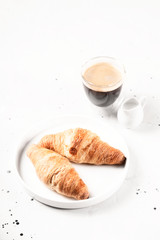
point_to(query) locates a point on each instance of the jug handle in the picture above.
(142, 101)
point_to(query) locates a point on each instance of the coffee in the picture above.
(102, 83)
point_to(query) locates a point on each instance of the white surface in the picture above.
(102, 181)
(41, 41)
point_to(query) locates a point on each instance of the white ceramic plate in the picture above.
(102, 181)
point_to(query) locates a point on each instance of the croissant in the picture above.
(57, 172)
(82, 146)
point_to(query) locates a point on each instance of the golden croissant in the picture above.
(57, 172)
(82, 146)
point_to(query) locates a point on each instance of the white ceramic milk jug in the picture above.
(130, 113)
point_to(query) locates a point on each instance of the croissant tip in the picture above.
(84, 196)
(30, 149)
(124, 159)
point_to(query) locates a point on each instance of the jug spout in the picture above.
(142, 101)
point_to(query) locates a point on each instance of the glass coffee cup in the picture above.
(103, 78)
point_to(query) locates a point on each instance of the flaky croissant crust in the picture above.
(57, 172)
(82, 146)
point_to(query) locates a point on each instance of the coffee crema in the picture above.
(102, 83)
(102, 76)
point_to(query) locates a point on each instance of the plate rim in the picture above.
(70, 204)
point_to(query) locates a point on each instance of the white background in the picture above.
(42, 47)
